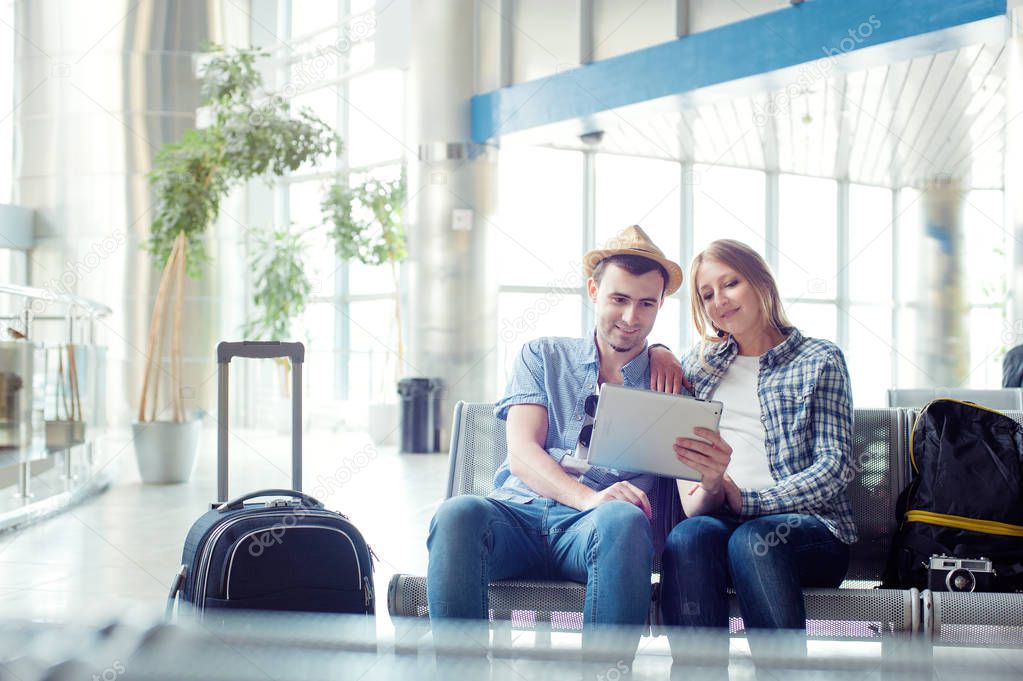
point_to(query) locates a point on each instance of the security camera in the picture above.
(592, 138)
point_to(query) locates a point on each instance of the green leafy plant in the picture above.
(252, 133)
(282, 286)
(365, 223)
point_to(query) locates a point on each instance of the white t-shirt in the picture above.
(741, 426)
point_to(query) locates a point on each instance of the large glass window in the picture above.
(869, 352)
(870, 244)
(728, 203)
(909, 228)
(870, 347)
(525, 316)
(986, 249)
(807, 237)
(312, 17)
(644, 192)
(376, 118)
(818, 320)
(350, 320)
(6, 99)
(808, 253)
(538, 232)
(537, 246)
(638, 191)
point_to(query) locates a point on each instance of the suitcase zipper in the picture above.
(367, 589)
(230, 562)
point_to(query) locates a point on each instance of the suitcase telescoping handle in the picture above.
(259, 350)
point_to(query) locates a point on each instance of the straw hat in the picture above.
(634, 241)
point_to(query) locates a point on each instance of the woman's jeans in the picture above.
(767, 561)
(475, 540)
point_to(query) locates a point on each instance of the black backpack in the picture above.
(966, 496)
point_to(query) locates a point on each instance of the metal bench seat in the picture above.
(478, 446)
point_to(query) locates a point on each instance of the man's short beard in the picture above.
(618, 349)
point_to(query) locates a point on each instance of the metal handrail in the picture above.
(90, 307)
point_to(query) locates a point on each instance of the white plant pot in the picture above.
(166, 452)
(383, 424)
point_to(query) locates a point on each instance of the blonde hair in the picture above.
(749, 265)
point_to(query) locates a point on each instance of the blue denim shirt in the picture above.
(806, 407)
(558, 374)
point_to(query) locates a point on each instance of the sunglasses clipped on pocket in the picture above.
(590, 409)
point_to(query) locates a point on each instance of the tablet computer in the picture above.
(634, 430)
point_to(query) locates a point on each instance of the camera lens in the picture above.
(960, 579)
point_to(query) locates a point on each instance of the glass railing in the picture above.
(52, 383)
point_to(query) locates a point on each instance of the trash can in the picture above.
(420, 414)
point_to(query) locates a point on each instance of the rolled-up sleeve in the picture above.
(526, 385)
(828, 474)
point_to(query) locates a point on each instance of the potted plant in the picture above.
(281, 291)
(245, 139)
(365, 223)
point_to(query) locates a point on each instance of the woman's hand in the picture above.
(666, 372)
(710, 460)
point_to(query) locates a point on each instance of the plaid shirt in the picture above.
(806, 407)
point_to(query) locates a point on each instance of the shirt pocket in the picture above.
(793, 420)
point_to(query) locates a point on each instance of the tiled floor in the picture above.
(119, 551)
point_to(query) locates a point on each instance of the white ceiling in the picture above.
(893, 125)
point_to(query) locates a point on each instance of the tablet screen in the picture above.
(634, 430)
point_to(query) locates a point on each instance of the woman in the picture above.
(770, 515)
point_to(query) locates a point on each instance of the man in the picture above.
(541, 522)
(1012, 368)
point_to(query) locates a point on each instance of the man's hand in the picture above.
(623, 491)
(710, 460)
(666, 372)
(733, 497)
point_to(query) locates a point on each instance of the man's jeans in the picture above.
(767, 561)
(475, 540)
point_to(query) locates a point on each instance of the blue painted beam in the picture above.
(758, 55)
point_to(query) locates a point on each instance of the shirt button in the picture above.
(578, 417)
(763, 418)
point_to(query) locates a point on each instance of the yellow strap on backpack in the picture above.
(961, 523)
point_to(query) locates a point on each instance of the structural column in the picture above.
(100, 87)
(452, 293)
(943, 341)
(1014, 175)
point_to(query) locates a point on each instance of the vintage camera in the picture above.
(946, 573)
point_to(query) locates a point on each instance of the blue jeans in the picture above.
(476, 540)
(767, 561)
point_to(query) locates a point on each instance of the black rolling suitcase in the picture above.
(286, 553)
